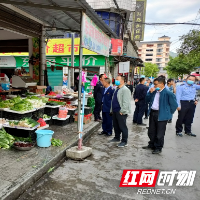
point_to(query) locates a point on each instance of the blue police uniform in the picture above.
(107, 119)
(185, 95)
(98, 95)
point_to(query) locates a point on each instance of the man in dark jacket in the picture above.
(98, 94)
(139, 97)
(107, 125)
(162, 104)
(129, 86)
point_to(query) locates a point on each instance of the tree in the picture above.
(180, 65)
(150, 69)
(191, 43)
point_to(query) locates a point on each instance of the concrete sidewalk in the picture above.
(21, 169)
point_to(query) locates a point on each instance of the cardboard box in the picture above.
(37, 89)
(32, 89)
(86, 120)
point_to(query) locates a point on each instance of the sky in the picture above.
(174, 11)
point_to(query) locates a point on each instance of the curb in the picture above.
(19, 188)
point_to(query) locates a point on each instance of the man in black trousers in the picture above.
(129, 86)
(139, 97)
(162, 104)
(98, 95)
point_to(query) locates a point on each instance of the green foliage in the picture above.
(150, 69)
(182, 64)
(191, 43)
(189, 56)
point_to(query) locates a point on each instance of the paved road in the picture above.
(98, 176)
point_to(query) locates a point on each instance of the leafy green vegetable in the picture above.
(45, 100)
(46, 116)
(91, 103)
(51, 169)
(21, 139)
(56, 142)
(6, 140)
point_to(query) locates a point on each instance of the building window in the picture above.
(149, 49)
(159, 45)
(159, 50)
(158, 60)
(148, 59)
(139, 49)
(149, 54)
(167, 54)
(158, 64)
(166, 59)
(149, 45)
(139, 55)
(113, 20)
(159, 55)
(167, 49)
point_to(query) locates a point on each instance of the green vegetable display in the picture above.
(21, 139)
(22, 106)
(56, 142)
(45, 100)
(25, 122)
(46, 116)
(91, 103)
(6, 140)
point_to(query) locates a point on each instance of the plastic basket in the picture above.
(38, 114)
(22, 133)
(15, 116)
(51, 111)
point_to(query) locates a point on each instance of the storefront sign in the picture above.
(139, 18)
(56, 47)
(124, 67)
(7, 61)
(93, 38)
(22, 61)
(116, 48)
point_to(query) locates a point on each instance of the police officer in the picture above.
(107, 99)
(185, 94)
(139, 97)
(98, 94)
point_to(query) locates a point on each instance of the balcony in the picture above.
(150, 45)
(159, 55)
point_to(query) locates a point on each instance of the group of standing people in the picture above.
(115, 105)
(162, 99)
(157, 100)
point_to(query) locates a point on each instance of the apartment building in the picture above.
(156, 52)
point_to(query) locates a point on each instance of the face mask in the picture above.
(117, 82)
(190, 82)
(157, 89)
(145, 82)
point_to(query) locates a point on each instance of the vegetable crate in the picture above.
(87, 110)
(15, 116)
(51, 111)
(38, 114)
(22, 133)
(61, 122)
(71, 112)
(71, 119)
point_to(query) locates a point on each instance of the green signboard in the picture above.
(88, 61)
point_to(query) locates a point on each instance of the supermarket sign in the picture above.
(7, 61)
(22, 61)
(93, 38)
(58, 47)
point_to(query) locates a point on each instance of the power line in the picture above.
(168, 24)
